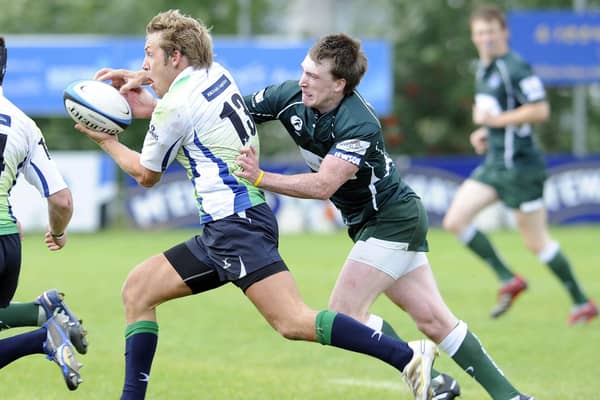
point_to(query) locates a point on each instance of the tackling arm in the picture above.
(332, 174)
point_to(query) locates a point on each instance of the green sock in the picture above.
(19, 314)
(482, 246)
(472, 357)
(561, 267)
(387, 329)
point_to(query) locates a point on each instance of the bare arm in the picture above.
(60, 210)
(127, 159)
(527, 113)
(332, 174)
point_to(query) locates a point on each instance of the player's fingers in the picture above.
(130, 84)
(245, 152)
(101, 74)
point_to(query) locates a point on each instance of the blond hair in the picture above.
(185, 34)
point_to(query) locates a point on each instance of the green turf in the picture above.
(216, 346)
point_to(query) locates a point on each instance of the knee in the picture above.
(287, 328)
(131, 292)
(294, 325)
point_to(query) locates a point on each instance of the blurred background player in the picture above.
(341, 140)
(509, 98)
(22, 149)
(201, 121)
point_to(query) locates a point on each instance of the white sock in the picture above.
(455, 338)
(548, 252)
(467, 234)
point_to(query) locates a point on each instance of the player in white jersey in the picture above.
(201, 121)
(204, 136)
(23, 150)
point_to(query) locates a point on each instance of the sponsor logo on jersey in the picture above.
(152, 132)
(296, 122)
(216, 88)
(494, 80)
(5, 119)
(348, 157)
(533, 88)
(488, 104)
(354, 146)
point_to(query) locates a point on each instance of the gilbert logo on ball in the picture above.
(98, 106)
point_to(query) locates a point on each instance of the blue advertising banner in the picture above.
(40, 67)
(571, 193)
(563, 47)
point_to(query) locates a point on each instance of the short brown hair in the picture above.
(183, 33)
(349, 61)
(489, 13)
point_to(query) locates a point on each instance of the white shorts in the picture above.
(393, 258)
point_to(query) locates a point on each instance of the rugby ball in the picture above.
(98, 106)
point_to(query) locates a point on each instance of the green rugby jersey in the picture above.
(505, 84)
(351, 132)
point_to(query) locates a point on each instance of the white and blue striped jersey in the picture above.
(22, 149)
(202, 122)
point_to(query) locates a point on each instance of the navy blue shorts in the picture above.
(241, 248)
(10, 267)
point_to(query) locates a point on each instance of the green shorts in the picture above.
(402, 221)
(518, 188)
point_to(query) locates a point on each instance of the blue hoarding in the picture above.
(39, 68)
(571, 192)
(562, 46)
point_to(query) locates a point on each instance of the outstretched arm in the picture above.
(127, 159)
(332, 174)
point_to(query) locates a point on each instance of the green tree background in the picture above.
(433, 59)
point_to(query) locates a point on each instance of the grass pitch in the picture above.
(217, 346)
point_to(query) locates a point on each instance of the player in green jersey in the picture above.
(23, 151)
(509, 98)
(341, 140)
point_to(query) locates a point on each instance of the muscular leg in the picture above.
(472, 197)
(356, 289)
(149, 284)
(533, 227)
(278, 300)
(418, 294)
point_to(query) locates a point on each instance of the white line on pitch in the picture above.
(389, 385)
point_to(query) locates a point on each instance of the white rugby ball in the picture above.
(98, 106)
